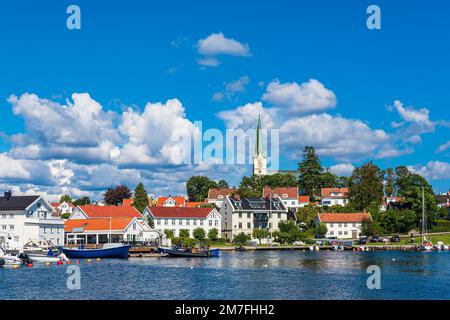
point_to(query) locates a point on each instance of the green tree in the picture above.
(409, 187)
(169, 233)
(199, 234)
(366, 186)
(184, 233)
(321, 230)
(197, 188)
(222, 184)
(115, 196)
(369, 228)
(140, 198)
(307, 215)
(253, 186)
(310, 173)
(65, 198)
(329, 180)
(241, 239)
(250, 187)
(213, 234)
(389, 177)
(260, 234)
(82, 201)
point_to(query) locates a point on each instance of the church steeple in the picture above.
(259, 159)
(259, 148)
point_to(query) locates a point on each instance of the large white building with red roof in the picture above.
(343, 225)
(95, 225)
(179, 218)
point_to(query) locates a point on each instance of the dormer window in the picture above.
(285, 195)
(220, 196)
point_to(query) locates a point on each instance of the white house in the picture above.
(216, 196)
(288, 195)
(342, 225)
(334, 196)
(62, 208)
(25, 218)
(176, 219)
(102, 224)
(246, 214)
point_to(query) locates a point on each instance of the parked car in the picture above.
(376, 239)
(363, 240)
(395, 238)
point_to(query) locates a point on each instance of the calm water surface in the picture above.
(241, 275)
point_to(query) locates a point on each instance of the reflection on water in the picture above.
(242, 275)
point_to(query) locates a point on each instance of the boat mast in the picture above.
(423, 216)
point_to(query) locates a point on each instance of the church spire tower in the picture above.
(259, 158)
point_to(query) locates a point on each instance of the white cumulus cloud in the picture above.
(216, 44)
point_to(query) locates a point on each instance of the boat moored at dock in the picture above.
(109, 250)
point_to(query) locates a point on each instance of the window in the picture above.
(240, 225)
(188, 222)
(240, 215)
(11, 216)
(158, 222)
(181, 222)
(216, 223)
(345, 225)
(331, 225)
(279, 216)
(293, 202)
(201, 222)
(331, 233)
(340, 225)
(195, 222)
(210, 223)
(249, 215)
(340, 233)
(166, 222)
(220, 196)
(249, 225)
(270, 225)
(134, 226)
(354, 225)
(4, 216)
(4, 227)
(174, 222)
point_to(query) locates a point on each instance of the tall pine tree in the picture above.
(310, 173)
(140, 199)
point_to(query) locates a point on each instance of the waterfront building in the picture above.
(182, 218)
(62, 208)
(26, 218)
(217, 195)
(246, 214)
(342, 225)
(334, 196)
(102, 224)
(288, 195)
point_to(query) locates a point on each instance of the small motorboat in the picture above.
(109, 250)
(440, 246)
(43, 251)
(10, 260)
(192, 252)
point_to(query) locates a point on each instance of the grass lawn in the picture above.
(445, 238)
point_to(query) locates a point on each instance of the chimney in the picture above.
(8, 195)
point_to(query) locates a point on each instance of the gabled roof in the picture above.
(213, 194)
(344, 217)
(443, 198)
(179, 201)
(17, 202)
(177, 212)
(110, 211)
(326, 193)
(291, 192)
(97, 224)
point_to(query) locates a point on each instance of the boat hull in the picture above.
(43, 258)
(120, 252)
(174, 253)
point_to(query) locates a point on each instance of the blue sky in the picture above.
(130, 53)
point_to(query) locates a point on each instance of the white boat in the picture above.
(9, 260)
(42, 251)
(440, 246)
